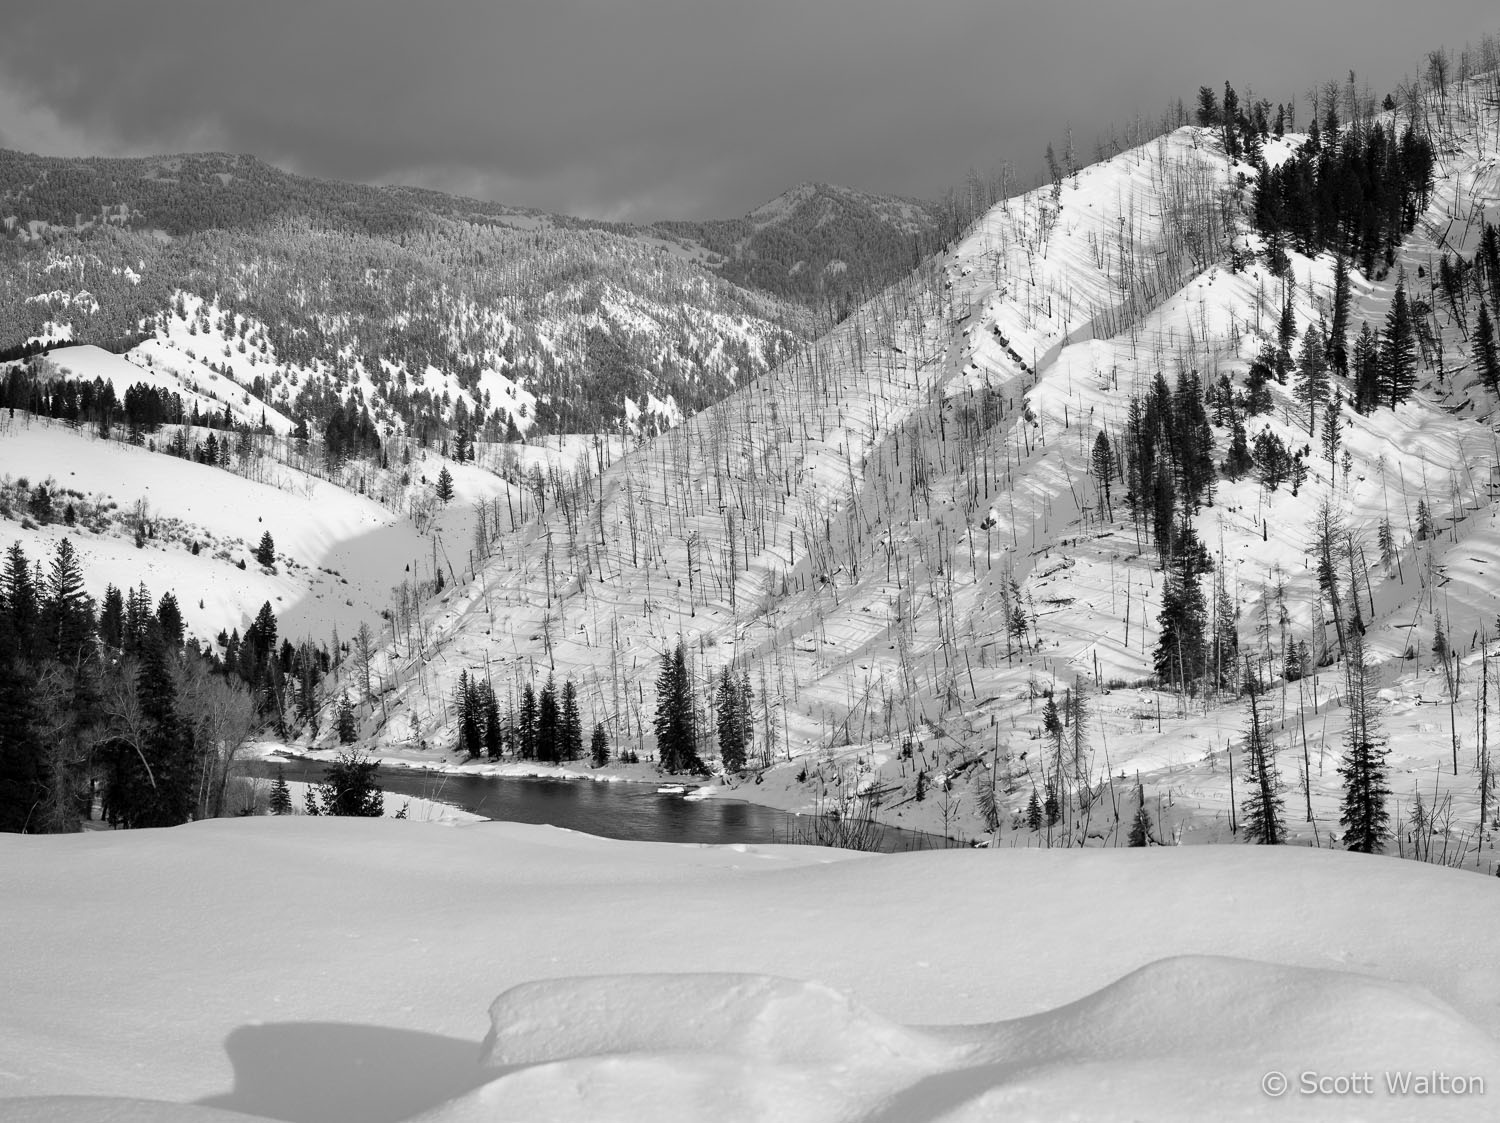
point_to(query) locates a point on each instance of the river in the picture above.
(632, 811)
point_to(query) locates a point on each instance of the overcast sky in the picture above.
(645, 109)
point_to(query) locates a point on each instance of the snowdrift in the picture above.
(314, 969)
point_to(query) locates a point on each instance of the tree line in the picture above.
(108, 701)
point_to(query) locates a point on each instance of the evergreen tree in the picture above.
(1102, 465)
(153, 778)
(1486, 358)
(21, 599)
(470, 716)
(1052, 726)
(1078, 721)
(112, 619)
(572, 723)
(526, 721)
(1239, 461)
(1332, 422)
(169, 616)
(548, 725)
(1364, 816)
(281, 795)
(674, 724)
(493, 734)
(1140, 826)
(344, 722)
(1286, 335)
(1034, 812)
(351, 787)
(1208, 106)
(67, 614)
(731, 721)
(1366, 369)
(1398, 351)
(1180, 650)
(24, 778)
(1338, 330)
(1263, 805)
(445, 485)
(265, 553)
(599, 746)
(1312, 375)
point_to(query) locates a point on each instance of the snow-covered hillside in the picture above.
(862, 528)
(339, 552)
(321, 970)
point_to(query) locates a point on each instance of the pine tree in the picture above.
(445, 485)
(1366, 364)
(1338, 331)
(344, 721)
(281, 795)
(67, 614)
(1387, 543)
(1239, 460)
(1140, 826)
(731, 722)
(1424, 521)
(1078, 720)
(572, 723)
(351, 787)
(493, 734)
(24, 778)
(1052, 726)
(21, 599)
(1486, 358)
(1364, 816)
(265, 553)
(548, 725)
(169, 616)
(1332, 420)
(1286, 335)
(1102, 466)
(1226, 640)
(1263, 805)
(112, 619)
(526, 721)
(599, 746)
(1034, 812)
(470, 716)
(676, 736)
(1312, 375)
(1180, 651)
(1398, 351)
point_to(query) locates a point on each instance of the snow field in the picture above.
(340, 969)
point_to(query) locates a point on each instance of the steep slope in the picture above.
(898, 533)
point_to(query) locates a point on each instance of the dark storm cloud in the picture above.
(653, 108)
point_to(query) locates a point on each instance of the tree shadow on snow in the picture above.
(326, 1072)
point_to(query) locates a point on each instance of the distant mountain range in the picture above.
(327, 288)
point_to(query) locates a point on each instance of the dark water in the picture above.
(637, 812)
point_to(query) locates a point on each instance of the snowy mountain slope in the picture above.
(339, 552)
(156, 366)
(343, 972)
(849, 527)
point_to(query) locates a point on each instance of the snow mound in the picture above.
(1177, 1039)
(757, 1017)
